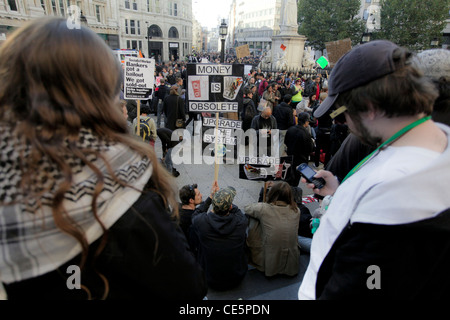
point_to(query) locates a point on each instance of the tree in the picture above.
(412, 23)
(330, 20)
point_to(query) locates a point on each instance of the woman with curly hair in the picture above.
(86, 210)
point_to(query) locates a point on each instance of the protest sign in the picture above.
(242, 51)
(139, 78)
(265, 168)
(336, 49)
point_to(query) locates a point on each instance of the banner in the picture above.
(139, 78)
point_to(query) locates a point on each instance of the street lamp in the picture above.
(434, 42)
(83, 19)
(366, 37)
(223, 31)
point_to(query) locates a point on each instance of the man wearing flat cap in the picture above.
(218, 239)
(385, 233)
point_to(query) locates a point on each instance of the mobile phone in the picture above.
(308, 173)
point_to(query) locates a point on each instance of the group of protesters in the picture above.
(89, 212)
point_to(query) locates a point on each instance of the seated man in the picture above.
(191, 204)
(218, 239)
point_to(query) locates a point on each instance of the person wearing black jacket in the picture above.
(160, 94)
(173, 108)
(299, 144)
(218, 238)
(248, 110)
(192, 204)
(284, 115)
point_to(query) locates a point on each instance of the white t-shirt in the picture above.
(390, 164)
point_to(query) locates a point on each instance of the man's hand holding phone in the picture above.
(323, 183)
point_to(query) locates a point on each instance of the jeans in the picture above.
(159, 113)
(304, 243)
(168, 160)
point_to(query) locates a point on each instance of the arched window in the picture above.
(155, 31)
(173, 33)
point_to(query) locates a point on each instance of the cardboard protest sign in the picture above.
(139, 78)
(242, 51)
(336, 49)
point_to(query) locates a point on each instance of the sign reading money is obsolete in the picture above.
(214, 87)
(139, 78)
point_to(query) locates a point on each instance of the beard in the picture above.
(363, 133)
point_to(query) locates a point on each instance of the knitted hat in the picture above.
(435, 63)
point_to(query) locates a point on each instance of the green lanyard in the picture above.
(389, 141)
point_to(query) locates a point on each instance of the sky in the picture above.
(210, 12)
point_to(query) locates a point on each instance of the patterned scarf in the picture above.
(30, 243)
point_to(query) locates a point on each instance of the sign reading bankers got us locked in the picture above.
(139, 78)
(214, 88)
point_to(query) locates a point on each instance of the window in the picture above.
(175, 9)
(173, 33)
(54, 7)
(127, 4)
(149, 5)
(132, 27)
(126, 26)
(138, 27)
(12, 5)
(155, 31)
(43, 5)
(97, 13)
(368, 1)
(157, 6)
(61, 7)
(366, 14)
(134, 5)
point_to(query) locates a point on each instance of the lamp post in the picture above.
(83, 19)
(434, 43)
(223, 31)
(365, 37)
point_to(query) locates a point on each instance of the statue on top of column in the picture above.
(289, 13)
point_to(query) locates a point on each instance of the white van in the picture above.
(122, 53)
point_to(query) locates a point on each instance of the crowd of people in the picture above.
(88, 211)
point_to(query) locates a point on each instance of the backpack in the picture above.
(145, 133)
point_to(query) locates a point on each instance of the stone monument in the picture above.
(288, 46)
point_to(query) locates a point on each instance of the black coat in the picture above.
(173, 108)
(248, 113)
(299, 144)
(219, 242)
(413, 260)
(284, 115)
(162, 91)
(146, 257)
